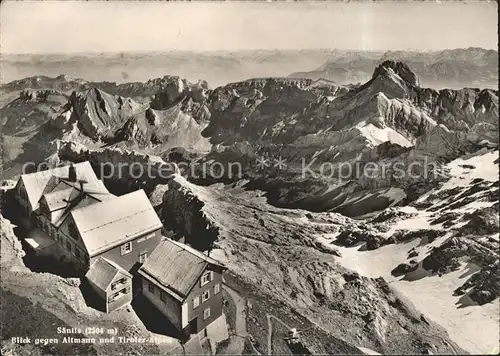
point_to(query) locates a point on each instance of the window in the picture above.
(77, 253)
(68, 246)
(206, 278)
(163, 296)
(217, 288)
(117, 283)
(206, 314)
(205, 296)
(119, 294)
(127, 248)
(151, 287)
(196, 302)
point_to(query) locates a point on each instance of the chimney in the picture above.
(72, 173)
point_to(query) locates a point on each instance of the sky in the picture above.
(128, 26)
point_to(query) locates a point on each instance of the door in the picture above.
(193, 326)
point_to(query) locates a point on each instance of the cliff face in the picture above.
(121, 170)
(96, 113)
(184, 210)
(117, 120)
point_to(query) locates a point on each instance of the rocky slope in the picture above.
(175, 117)
(438, 253)
(23, 134)
(444, 244)
(169, 112)
(29, 110)
(121, 170)
(278, 253)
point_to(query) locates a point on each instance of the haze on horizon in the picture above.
(130, 26)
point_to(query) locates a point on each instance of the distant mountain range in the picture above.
(457, 68)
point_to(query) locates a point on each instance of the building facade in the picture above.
(111, 283)
(76, 220)
(185, 286)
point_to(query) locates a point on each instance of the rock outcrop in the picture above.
(122, 170)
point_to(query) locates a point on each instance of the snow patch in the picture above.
(377, 136)
(432, 295)
(367, 351)
(462, 172)
(474, 328)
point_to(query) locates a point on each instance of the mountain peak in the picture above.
(399, 68)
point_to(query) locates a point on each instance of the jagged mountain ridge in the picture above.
(456, 68)
(29, 110)
(432, 100)
(296, 119)
(300, 107)
(171, 118)
(362, 125)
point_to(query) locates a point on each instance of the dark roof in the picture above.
(66, 196)
(103, 271)
(176, 267)
(39, 183)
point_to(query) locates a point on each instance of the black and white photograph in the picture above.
(249, 178)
